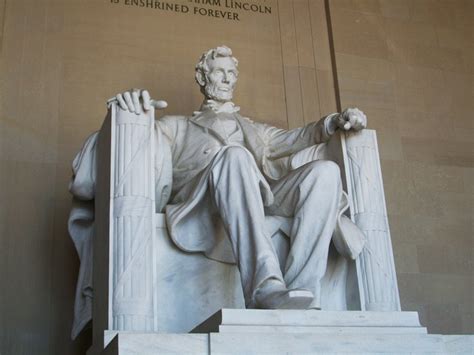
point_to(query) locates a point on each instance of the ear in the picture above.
(200, 78)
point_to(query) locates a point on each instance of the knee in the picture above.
(237, 154)
(325, 169)
(330, 168)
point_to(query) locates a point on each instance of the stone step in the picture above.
(310, 321)
(319, 330)
(240, 331)
(276, 344)
(282, 343)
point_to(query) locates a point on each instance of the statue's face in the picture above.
(221, 79)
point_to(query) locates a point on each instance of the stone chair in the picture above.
(143, 283)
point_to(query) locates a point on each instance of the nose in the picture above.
(225, 78)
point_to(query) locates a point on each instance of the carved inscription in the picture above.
(220, 9)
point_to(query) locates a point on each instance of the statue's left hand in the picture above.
(137, 101)
(351, 119)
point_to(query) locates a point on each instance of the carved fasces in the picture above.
(132, 220)
(376, 269)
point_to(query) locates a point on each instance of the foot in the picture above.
(315, 305)
(273, 294)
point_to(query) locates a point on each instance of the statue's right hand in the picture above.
(137, 101)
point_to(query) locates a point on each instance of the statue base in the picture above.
(237, 331)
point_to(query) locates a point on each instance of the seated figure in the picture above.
(230, 174)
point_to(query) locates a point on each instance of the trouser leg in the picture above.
(235, 189)
(311, 195)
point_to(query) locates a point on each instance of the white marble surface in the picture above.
(459, 344)
(263, 329)
(309, 318)
(151, 344)
(277, 343)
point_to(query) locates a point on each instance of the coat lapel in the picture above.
(205, 120)
(253, 141)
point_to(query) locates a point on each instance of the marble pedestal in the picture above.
(233, 331)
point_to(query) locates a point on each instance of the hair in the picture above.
(202, 67)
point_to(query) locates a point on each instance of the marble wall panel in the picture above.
(400, 10)
(319, 33)
(407, 32)
(406, 257)
(294, 103)
(450, 313)
(358, 33)
(412, 62)
(326, 92)
(450, 260)
(309, 94)
(363, 6)
(304, 38)
(467, 317)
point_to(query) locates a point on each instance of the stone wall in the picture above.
(408, 65)
(405, 63)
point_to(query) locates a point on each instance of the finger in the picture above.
(357, 126)
(136, 102)
(362, 120)
(346, 114)
(146, 100)
(159, 104)
(353, 118)
(128, 100)
(341, 121)
(360, 123)
(121, 102)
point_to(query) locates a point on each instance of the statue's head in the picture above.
(216, 74)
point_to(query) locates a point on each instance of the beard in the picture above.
(212, 92)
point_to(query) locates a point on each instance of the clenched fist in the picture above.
(351, 119)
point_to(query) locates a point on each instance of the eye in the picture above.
(217, 72)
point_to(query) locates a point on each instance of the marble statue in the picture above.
(231, 183)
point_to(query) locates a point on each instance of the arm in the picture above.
(283, 143)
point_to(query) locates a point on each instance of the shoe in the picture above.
(273, 294)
